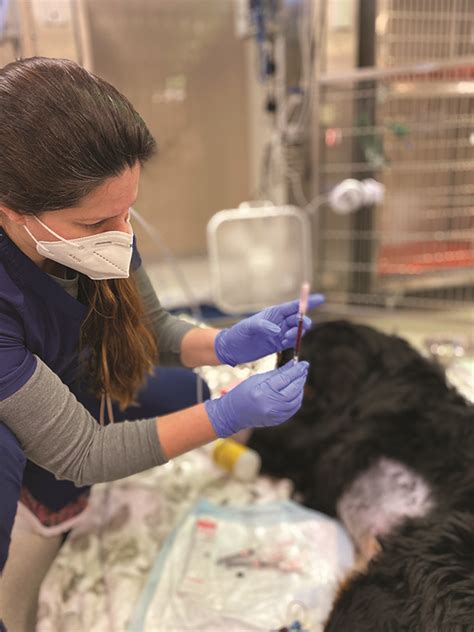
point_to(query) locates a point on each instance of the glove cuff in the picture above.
(220, 349)
(212, 410)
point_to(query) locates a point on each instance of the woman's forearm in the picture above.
(59, 434)
(197, 347)
(184, 430)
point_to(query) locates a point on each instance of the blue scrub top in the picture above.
(37, 316)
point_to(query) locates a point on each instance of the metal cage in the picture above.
(406, 121)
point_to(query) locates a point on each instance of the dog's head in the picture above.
(346, 357)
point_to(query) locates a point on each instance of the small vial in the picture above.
(303, 306)
(236, 458)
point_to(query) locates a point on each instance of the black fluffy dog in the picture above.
(384, 443)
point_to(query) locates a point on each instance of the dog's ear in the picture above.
(396, 354)
(340, 360)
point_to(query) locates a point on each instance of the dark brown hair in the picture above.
(63, 133)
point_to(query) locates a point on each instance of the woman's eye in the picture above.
(96, 225)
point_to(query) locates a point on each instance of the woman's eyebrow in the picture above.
(102, 219)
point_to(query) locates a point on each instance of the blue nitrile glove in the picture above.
(269, 331)
(266, 399)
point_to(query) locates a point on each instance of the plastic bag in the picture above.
(236, 569)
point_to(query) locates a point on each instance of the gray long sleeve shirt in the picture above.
(60, 435)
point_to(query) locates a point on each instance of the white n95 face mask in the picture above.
(103, 256)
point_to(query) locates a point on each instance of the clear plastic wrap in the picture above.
(237, 569)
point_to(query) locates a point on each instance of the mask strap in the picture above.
(34, 238)
(66, 241)
(50, 230)
(30, 234)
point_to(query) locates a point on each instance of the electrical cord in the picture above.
(182, 282)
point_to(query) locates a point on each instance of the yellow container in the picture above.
(236, 458)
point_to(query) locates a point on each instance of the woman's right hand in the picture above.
(266, 399)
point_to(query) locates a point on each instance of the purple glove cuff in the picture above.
(220, 351)
(219, 428)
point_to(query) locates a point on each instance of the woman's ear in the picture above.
(12, 216)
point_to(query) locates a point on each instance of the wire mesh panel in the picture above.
(411, 128)
(418, 30)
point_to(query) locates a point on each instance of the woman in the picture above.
(81, 328)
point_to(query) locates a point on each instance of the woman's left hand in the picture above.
(269, 331)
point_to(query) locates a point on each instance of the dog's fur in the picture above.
(370, 395)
